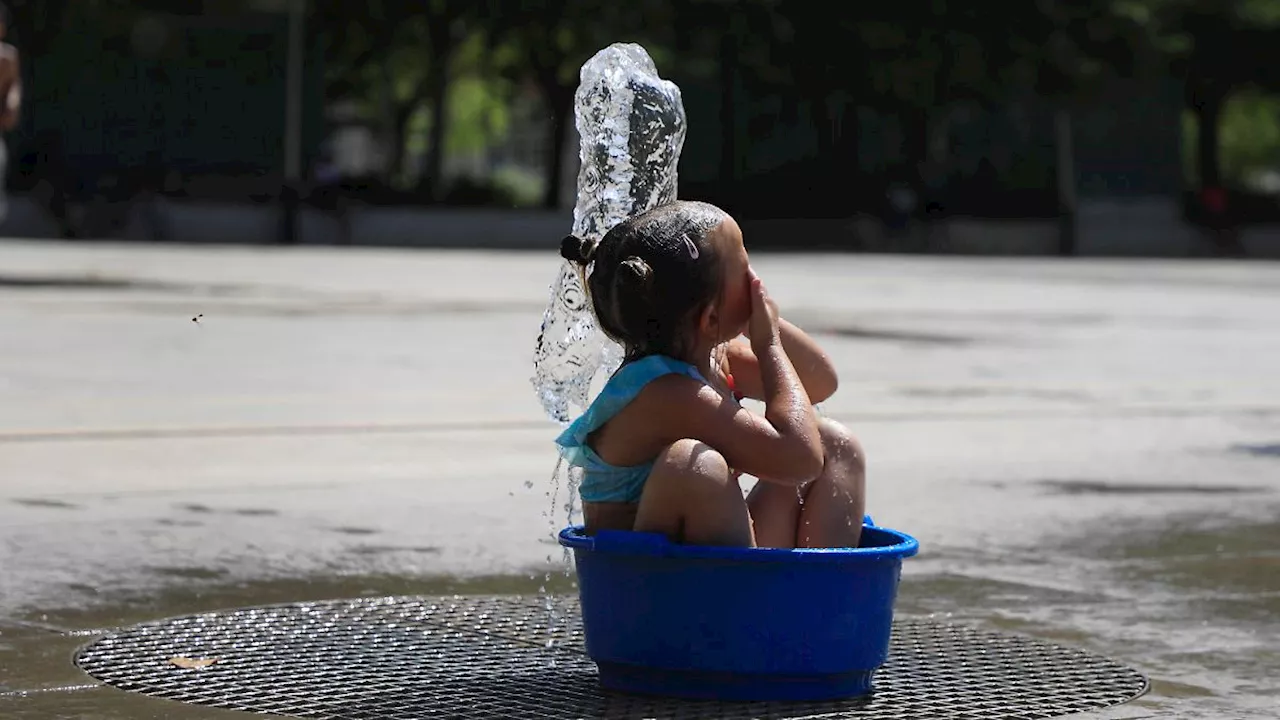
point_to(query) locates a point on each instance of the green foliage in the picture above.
(479, 115)
(1250, 138)
(525, 189)
(905, 57)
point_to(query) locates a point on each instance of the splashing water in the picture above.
(572, 480)
(553, 617)
(632, 128)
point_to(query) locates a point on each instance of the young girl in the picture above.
(663, 444)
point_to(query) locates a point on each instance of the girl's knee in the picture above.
(840, 446)
(692, 460)
(693, 496)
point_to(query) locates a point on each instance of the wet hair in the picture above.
(651, 276)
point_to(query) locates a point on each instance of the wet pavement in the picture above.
(1088, 451)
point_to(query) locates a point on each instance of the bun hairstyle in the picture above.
(576, 250)
(651, 276)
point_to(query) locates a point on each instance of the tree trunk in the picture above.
(1208, 118)
(560, 99)
(392, 135)
(396, 142)
(442, 52)
(1064, 146)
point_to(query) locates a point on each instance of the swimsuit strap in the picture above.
(620, 390)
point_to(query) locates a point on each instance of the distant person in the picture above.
(11, 92)
(665, 441)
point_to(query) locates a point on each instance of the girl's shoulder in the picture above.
(634, 379)
(646, 369)
(652, 378)
(642, 387)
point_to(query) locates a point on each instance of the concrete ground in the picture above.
(1088, 451)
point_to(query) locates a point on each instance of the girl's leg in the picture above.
(826, 512)
(693, 498)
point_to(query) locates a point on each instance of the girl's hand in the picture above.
(763, 326)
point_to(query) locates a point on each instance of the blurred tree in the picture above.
(395, 56)
(547, 42)
(747, 41)
(1250, 140)
(913, 59)
(1218, 47)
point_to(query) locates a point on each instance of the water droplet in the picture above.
(550, 515)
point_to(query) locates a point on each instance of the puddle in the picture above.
(355, 531)
(188, 573)
(384, 549)
(1194, 603)
(957, 595)
(200, 509)
(45, 503)
(105, 703)
(1102, 487)
(31, 658)
(1269, 450)
(896, 336)
(82, 282)
(169, 522)
(38, 678)
(1190, 602)
(1220, 572)
(1185, 538)
(962, 393)
(195, 597)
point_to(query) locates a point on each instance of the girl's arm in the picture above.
(812, 365)
(783, 446)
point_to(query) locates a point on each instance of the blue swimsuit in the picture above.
(601, 481)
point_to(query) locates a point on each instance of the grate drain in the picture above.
(486, 657)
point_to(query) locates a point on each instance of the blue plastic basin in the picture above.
(737, 623)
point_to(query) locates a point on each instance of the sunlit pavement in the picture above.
(1088, 451)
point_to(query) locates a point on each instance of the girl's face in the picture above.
(734, 308)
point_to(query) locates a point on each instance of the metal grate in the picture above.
(487, 657)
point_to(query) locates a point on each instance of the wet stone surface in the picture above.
(1094, 466)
